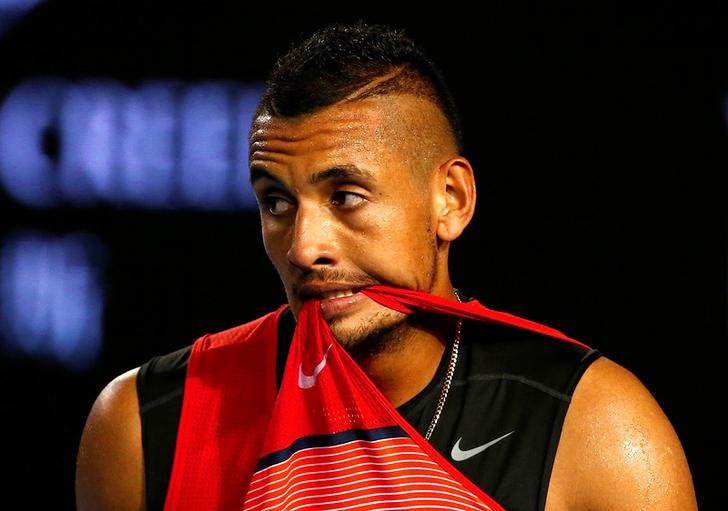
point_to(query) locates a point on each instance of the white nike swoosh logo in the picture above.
(459, 455)
(304, 380)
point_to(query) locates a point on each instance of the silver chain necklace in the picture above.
(448, 377)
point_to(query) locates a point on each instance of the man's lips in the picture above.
(328, 290)
(330, 307)
(333, 295)
(336, 297)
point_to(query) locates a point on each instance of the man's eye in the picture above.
(347, 199)
(276, 205)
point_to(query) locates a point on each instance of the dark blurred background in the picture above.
(598, 136)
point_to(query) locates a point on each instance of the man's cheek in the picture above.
(386, 271)
(276, 252)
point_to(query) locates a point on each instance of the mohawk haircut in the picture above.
(339, 61)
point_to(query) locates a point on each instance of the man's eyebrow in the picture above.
(347, 171)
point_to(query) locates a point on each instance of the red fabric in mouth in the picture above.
(328, 439)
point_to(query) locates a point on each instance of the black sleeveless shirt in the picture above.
(500, 425)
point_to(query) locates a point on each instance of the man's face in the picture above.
(342, 207)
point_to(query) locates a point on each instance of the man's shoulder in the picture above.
(615, 435)
(111, 439)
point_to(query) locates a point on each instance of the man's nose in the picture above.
(313, 242)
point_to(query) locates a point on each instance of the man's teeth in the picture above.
(336, 294)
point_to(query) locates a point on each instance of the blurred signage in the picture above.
(51, 297)
(159, 145)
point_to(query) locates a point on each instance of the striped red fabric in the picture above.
(335, 442)
(391, 473)
(327, 439)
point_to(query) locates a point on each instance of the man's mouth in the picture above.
(336, 297)
(336, 294)
(340, 302)
(328, 290)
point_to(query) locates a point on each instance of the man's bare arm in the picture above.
(110, 466)
(618, 450)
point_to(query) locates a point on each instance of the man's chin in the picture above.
(374, 332)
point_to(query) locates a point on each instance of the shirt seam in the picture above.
(520, 379)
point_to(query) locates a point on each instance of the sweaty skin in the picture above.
(373, 191)
(347, 199)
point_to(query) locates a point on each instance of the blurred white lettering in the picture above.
(160, 145)
(51, 297)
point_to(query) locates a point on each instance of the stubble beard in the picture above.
(386, 330)
(380, 332)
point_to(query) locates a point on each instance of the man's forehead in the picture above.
(373, 130)
(361, 130)
(343, 120)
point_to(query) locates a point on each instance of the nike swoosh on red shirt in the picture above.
(306, 381)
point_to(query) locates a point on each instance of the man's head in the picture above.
(354, 157)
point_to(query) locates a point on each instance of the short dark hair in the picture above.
(339, 59)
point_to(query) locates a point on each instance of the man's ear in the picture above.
(454, 197)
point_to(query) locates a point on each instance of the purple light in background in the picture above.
(26, 116)
(160, 145)
(51, 297)
(12, 11)
(206, 149)
(147, 145)
(90, 128)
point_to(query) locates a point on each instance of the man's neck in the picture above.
(406, 366)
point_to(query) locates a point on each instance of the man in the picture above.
(355, 159)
